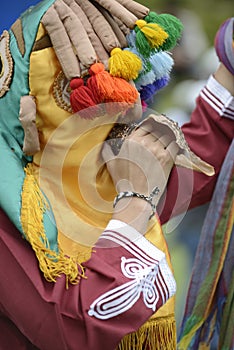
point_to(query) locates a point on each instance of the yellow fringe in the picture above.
(124, 64)
(51, 263)
(155, 334)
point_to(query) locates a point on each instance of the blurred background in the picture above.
(194, 60)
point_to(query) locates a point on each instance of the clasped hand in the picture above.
(144, 161)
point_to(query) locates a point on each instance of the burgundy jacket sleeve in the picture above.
(209, 135)
(94, 314)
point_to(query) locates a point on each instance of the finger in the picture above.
(147, 127)
(173, 149)
(165, 140)
(146, 130)
(143, 130)
(147, 141)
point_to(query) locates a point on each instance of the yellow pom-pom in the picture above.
(124, 64)
(154, 34)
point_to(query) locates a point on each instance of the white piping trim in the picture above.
(218, 98)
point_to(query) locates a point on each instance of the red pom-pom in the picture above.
(82, 97)
(76, 83)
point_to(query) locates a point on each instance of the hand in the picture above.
(144, 161)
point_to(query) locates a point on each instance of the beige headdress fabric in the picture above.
(95, 40)
(84, 33)
(61, 43)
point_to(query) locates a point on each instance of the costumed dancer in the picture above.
(82, 268)
(70, 56)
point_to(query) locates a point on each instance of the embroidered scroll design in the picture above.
(146, 279)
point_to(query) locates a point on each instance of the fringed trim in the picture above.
(155, 334)
(52, 263)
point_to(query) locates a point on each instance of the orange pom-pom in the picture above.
(101, 80)
(111, 89)
(100, 87)
(124, 91)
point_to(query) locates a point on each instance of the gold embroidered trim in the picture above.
(17, 30)
(6, 58)
(61, 92)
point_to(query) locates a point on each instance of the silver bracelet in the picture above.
(148, 199)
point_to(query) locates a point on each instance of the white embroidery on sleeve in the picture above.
(149, 278)
(122, 298)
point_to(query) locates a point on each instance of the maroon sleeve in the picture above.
(49, 316)
(209, 135)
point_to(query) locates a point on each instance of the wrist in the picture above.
(134, 212)
(148, 198)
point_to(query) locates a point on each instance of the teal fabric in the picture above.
(12, 158)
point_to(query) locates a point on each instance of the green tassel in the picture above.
(142, 44)
(149, 37)
(172, 26)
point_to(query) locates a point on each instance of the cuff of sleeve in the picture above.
(145, 271)
(118, 233)
(218, 98)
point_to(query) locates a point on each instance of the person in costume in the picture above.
(209, 313)
(94, 59)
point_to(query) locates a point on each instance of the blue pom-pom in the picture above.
(162, 64)
(148, 91)
(145, 79)
(131, 39)
(162, 82)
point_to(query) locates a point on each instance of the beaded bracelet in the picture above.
(148, 199)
